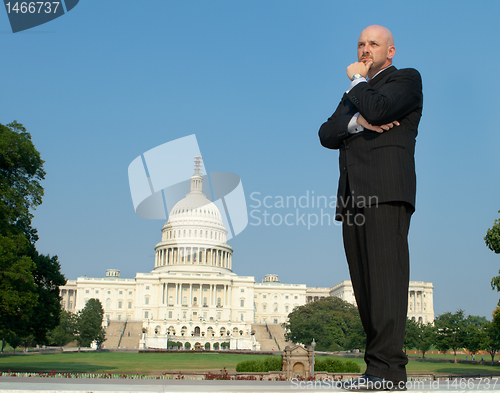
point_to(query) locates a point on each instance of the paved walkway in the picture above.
(56, 385)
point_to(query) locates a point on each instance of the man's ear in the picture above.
(391, 52)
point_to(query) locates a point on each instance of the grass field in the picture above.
(119, 362)
(146, 363)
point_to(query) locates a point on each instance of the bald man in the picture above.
(374, 128)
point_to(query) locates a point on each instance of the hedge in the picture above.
(336, 366)
(270, 363)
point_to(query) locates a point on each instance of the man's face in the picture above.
(375, 44)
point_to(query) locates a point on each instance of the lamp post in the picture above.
(313, 345)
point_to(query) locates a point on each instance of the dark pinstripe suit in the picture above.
(377, 185)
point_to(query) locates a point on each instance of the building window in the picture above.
(146, 314)
(147, 288)
(275, 320)
(119, 304)
(195, 314)
(96, 291)
(263, 307)
(286, 297)
(184, 314)
(264, 296)
(120, 293)
(218, 315)
(184, 301)
(129, 305)
(242, 303)
(242, 318)
(242, 290)
(218, 301)
(109, 292)
(170, 314)
(275, 306)
(296, 297)
(286, 308)
(119, 317)
(170, 301)
(146, 300)
(130, 292)
(86, 291)
(108, 303)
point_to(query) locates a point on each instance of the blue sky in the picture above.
(254, 80)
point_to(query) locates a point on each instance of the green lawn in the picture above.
(119, 362)
(146, 363)
(440, 368)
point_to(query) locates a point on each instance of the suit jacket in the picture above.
(379, 168)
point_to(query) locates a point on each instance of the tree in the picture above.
(63, 333)
(451, 332)
(89, 323)
(492, 237)
(332, 322)
(425, 338)
(29, 299)
(492, 329)
(411, 334)
(492, 240)
(492, 341)
(475, 333)
(48, 278)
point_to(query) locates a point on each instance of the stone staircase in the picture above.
(131, 336)
(113, 334)
(270, 337)
(278, 332)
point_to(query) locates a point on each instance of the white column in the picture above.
(224, 297)
(190, 295)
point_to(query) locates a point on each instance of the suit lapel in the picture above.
(381, 77)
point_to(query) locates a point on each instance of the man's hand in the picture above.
(384, 127)
(359, 68)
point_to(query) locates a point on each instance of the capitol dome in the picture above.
(194, 237)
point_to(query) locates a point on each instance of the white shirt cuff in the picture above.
(353, 127)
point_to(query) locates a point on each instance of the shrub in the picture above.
(271, 363)
(332, 365)
(351, 367)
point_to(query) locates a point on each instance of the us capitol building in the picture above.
(193, 297)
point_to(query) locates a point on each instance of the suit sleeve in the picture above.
(399, 96)
(334, 130)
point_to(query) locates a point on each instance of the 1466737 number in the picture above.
(33, 7)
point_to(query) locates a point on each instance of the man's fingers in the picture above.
(395, 122)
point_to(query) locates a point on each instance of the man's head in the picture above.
(376, 45)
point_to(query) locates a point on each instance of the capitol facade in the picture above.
(193, 297)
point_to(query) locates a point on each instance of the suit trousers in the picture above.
(376, 246)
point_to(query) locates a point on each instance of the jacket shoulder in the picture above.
(407, 72)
